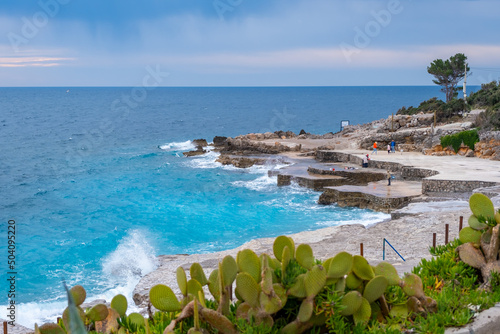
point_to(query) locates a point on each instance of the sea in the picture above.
(96, 186)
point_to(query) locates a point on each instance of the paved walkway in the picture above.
(449, 167)
(381, 189)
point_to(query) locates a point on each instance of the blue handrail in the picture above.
(383, 255)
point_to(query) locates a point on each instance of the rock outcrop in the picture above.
(219, 141)
(240, 162)
(199, 151)
(245, 145)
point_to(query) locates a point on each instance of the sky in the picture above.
(243, 42)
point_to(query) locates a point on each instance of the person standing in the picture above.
(388, 149)
(365, 161)
(393, 146)
(389, 176)
(374, 148)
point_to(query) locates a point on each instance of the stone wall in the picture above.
(310, 182)
(358, 177)
(362, 200)
(332, 156)
(247, 146)
(451, 186)
(416, 174)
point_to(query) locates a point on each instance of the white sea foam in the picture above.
(178, 146)
(366, 218)
(205, 161)
(122, 269)
(263, 183)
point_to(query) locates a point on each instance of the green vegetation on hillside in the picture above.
(488, 98)
(444, 111)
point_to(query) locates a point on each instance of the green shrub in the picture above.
(430, 105)
(468, 138)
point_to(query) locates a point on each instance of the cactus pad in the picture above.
(194, 289)
(213, 284)
(298, 289)
(248, 289)
(79, 294)
(119, 304)
(471, 255)
(361, 268)
(475, 224)
(249, 262)
(197, 273)
(375, 288)
(280, 243)
(98, 313)
(242, 311)
(272, 264)
(399, 311)
(229, 270)
(136, 319)
(280, 291)
(340, 265)
(66, 315)
(352, 281)
(304, 256)
(468, 234)
(352, 302)
(315, 280)
(340, 285)
(412, 286)
(363, 314)
(327, 263)
(388, 271)
(305, 310)
(51, 328)
(285, 260)
(163, 298)
(481, 205)
(270, 304)
(182, 280)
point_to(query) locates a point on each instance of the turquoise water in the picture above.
(98, 187)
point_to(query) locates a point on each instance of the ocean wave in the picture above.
(122, 269)
(178, 146)
(263, 183)
(365, 218)
(133, 258)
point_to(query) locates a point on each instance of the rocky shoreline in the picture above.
(414, 218)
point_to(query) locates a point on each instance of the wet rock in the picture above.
(200, 142)
(199, 151)
(240, 162)
(219, 141)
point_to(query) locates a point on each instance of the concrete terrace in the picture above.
(339, 175)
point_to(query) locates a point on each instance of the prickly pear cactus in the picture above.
(119, 304)
(264, 285)
(483, 231)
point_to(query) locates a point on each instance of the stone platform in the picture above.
(376, 195)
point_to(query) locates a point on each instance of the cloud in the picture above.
(334, 58)
(32, 61)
